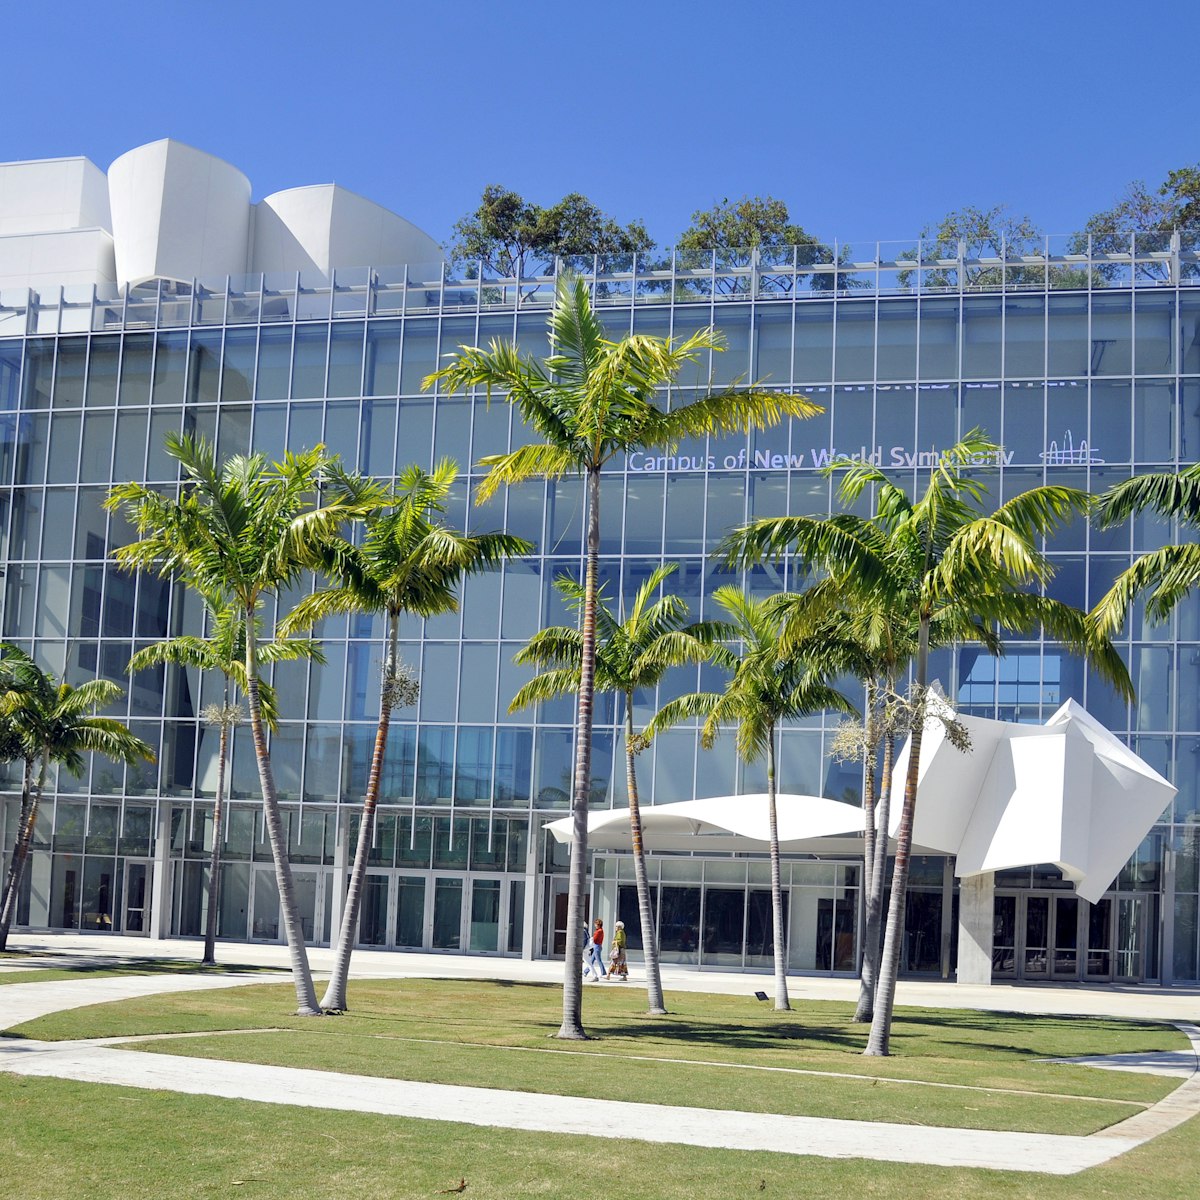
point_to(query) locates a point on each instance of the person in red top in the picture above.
(594, 960)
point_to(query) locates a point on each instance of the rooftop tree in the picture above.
(514, 237)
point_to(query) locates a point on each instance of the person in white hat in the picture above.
(618, 968)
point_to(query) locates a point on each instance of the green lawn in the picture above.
(63, 1139)
(712, 1051)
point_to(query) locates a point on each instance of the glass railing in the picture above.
(1057, 262)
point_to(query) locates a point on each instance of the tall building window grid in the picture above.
(1117, 337)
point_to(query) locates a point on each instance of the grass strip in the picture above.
(151, 1144)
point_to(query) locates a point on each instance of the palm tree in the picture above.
(942, 553)
(224, 651)
(1168, 573)
(237, 534)
(409, 562)
(766, 687)
(875, 642)
(51, 722)
(633, 652)
(593, 400)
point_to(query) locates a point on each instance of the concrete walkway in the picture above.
(103, 1062)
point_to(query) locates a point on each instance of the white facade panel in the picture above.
(52, 195)
(50, 260)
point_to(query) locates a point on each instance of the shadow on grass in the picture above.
(40, 965)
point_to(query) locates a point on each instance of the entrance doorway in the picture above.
(135, 904)
(431, 910)
(310, 886)
(1047, 936)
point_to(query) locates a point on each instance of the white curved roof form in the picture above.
(1067, 792)
(178, 213)
(167, 210)
(724, 823)
(326, 226)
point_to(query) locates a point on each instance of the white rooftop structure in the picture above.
(167, 210)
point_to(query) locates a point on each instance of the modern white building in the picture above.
(159, 296)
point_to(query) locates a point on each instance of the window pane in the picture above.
(69, 373)
(170, 368)
(308, 377)
(855, 357)
(383, 359)
(237, 376)
(896, 356)
(136, 365)
(102, 372)
(274, 364)
(346, 360)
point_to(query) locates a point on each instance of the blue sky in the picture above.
(869, 118)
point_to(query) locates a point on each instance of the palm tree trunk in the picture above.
(16, 868)
(572, 1022)
(873, 885)
(878, 1043)
(335, 999)
(306, 996)
(870, 953)
(781, 991)
(214, 859)
(654, 989)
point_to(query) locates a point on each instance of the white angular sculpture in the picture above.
(1067, 792)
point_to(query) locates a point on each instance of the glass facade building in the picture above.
(1083, 365)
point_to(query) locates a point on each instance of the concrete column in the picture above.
(160, 882)
(1166, 942)
(341, 873)
(976, 912)
(529, 917)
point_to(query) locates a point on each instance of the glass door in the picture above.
(1035, 959)
(484, 937)
(1099, 964)
(1131, 938)
(410, 911)
(1004, 937)
(266, 919)
(305, 883)
(264, 926)
(373, 910)
(135, 915)
(447, 913)
(1064, 963)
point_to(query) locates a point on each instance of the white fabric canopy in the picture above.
(724, 823)
(1067, 792)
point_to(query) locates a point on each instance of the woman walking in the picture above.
(595, 952)
(618, 968)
